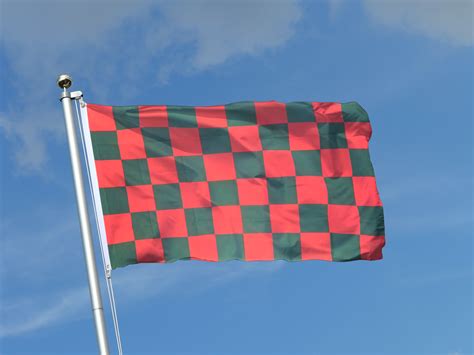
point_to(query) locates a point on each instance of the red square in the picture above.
(172, 223)
(316, 246)
(203, 247)
(152, 116)
(131, 145)
(219, 166)
(258, 246)
(210, 117)
(336, 162)
(195, 194)
(365, 191)
(162, 170)
(150, 251)
(358, 134)
(303, 136)
(227, 219)
(311, 189)
(252, 191)
(343, 219)
(285, 218)
(245, 139)
(110, 173)
(185, 141)
(101, 118)
(278, 163)
(371, 247)
(141, 198)
(270, 112)
(328, 111)
(118, 228)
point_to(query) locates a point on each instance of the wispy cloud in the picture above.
(181, 35)
(447, 21)
(46, 253)
(29, 314)
(45, 235)
(224, 29)
(137, 283)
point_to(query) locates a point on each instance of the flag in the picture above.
(247, 181)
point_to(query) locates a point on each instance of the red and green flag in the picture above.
(246, 181)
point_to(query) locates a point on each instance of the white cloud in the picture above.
(222, 29)
(25, 315)
(64, 302)
(447, 21)
(41, 39)
(118, 39)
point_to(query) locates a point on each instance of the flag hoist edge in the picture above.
(247, 181)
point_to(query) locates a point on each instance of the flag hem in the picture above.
(95, 188)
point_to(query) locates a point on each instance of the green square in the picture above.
(274, 137)
(300, 112)
(361, 164)
(122, 254)
(230, 247)
(214, 140)
(332, 135)
(175, 249)
(181, 116)
(167, 197)
(345, 247)
(287, 246)
(114, 200)
(353, 112)
(224, 193)
(314, 218)
(340, 191)
(249, 164)
(136, 172)
(157, 142)
(256, 219)
(282, 190)
(241, 114)
(372, 221)
(145, 225)
(105, 145)
(199, 221)
(307, 162)
(190, 169)
(126, 117)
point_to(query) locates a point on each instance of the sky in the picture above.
(408, 63)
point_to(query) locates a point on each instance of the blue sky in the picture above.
(408, 63)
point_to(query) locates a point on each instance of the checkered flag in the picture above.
(247, 181)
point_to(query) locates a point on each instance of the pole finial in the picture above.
(64, 81)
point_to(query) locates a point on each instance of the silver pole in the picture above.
(65, 82)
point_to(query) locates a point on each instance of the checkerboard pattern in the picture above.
(247, 181)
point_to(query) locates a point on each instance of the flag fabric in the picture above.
(247, 181)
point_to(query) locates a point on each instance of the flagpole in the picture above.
(64, 82)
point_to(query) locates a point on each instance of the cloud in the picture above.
(138, 283)
(64, 302)
(26, 315)
(27, 130)
(447, 21)
(222, 29)
(119, 42)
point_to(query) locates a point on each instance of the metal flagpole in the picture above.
(64, 82)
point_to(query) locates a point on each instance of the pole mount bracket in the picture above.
(73, 95)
